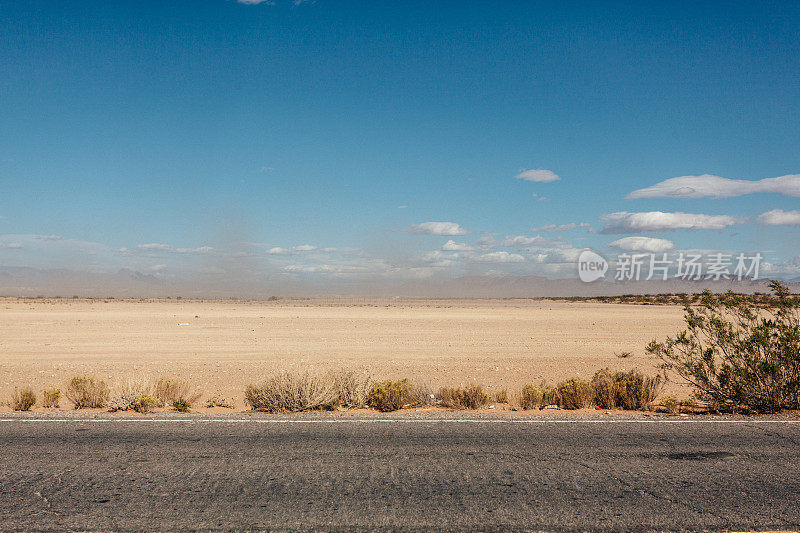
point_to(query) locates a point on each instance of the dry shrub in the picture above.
(501, 396)
(293, 392)
(531, 397)
(472, 397)
(86, 392)
(218, 400)
(167, 390)
(390, 395)
(51, 398)
(637, 391)
(575, 393)
(181, 405)
(606, 392)
(352, 388)
(23, 399)
(630, 390)
(127, 394)
(146, 403)
(421, 395)
(670, 403)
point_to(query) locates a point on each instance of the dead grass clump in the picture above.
(472, 397)
(501, 396)
(51, 398)
(390, 395)
(218, 400)
(352, 388)
(23, 399)
(167, 390)
(293, 392)
(671, 404)
(127, 394)
(421, 395)
(531, 397)
(575, 393)
(86, 392)
(606, 391)
(637, 392)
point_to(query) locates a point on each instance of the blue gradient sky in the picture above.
(205, 125)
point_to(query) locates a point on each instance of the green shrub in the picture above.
(146, 403)
(23, 399)
(531, 397)
(739, 352)
(472, 397)
(575, 393)
(293, 392)
(670, 404)
(390, 395)
(51, 398)
(182, 405)
(86, 392)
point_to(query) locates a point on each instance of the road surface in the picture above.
(410, 473)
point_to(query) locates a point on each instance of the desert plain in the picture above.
(220, 346)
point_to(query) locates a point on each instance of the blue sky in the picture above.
(218, 137)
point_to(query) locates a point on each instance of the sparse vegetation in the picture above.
(390, 395)
(630, 390)
(352, 388)
(86, 392)
(575, 393)
(220, 401)
(127, 394)
(531, 397)
(624, 355)
(293, 392)
(501, 396)
(670, 404)
(146, 403)
(51, 398)
(471, 397)
(740, 353)
(181, 405)
(23, 399)
(168, 390)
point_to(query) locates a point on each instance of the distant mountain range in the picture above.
(23, 281)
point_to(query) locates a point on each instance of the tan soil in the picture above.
(227, 344)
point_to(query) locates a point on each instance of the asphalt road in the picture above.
(399, 475)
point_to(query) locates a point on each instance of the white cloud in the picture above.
(499, 257)
(625, 222)
(166, 248)
(277, 250)
(712, 186)
(155, 247)
(562, 227)
(453, 246)
(779, 217)
(642, 244)
(256, 2)
(11, 245)
(437, 228)
(538, 175)
(523, 241)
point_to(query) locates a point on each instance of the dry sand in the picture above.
(226, 344)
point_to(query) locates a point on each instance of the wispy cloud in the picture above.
(712, 186)
(499, 257)
(166, 248)
(277, 250)
(256, 2)
(450, 229)
(10, 245)
(625, 222)
(562, 227)
(453, 246)
(539, 175)
(779, 217)
(642, 244)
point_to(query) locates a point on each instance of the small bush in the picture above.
(86, 392)
(146, 403)
(531, 397)
(127, 394)
(390, 395)
(51, 398)
(352, 388)
(23, 399)
(501, 396)
(670, 404)
(623, 355)
(293, 392)
(637, 391)
(219, 401)
(168, 390)
(421, 395)
(575, 393)
(472, 397)
(606, 392)
(181, 405)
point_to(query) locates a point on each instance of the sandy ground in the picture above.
(223, 345)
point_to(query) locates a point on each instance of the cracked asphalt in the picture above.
(413, 473)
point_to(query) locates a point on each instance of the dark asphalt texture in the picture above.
(412, 475)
